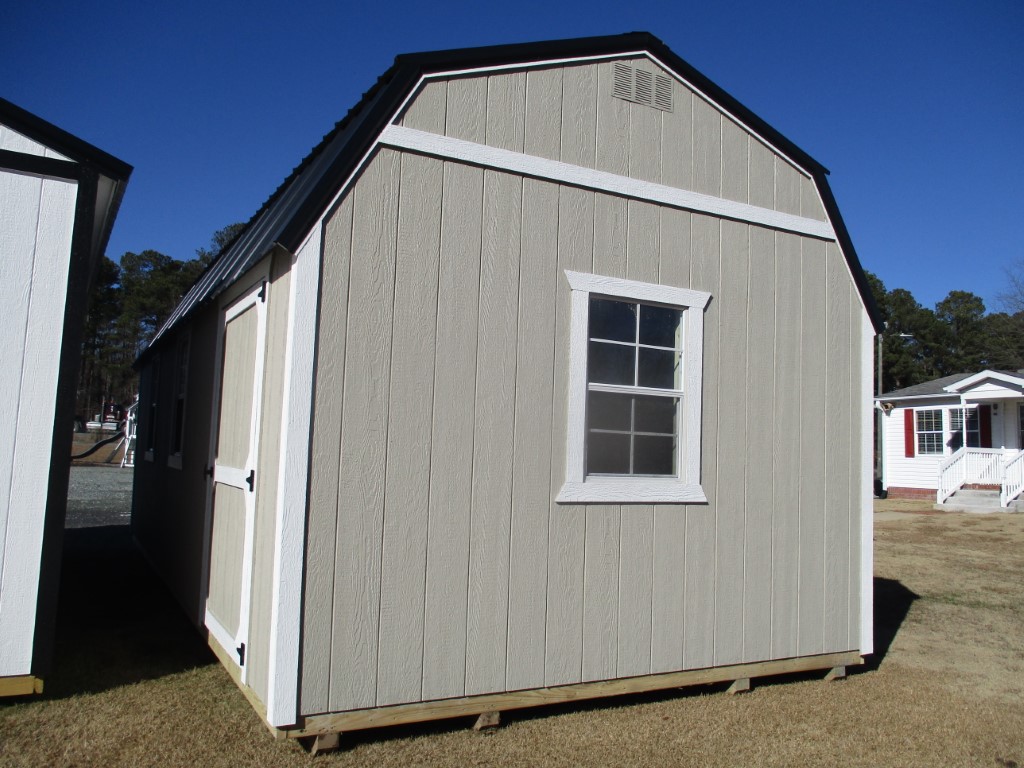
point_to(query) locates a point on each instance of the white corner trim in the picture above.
(449, 148)
(578, 488)
(867, 581)
(290, 526)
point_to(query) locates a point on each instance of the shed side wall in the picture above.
(557, 594)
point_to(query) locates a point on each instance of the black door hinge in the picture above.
(240, 650)
(251, 479)
(208, 471)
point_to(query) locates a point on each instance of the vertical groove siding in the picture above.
(438, 564)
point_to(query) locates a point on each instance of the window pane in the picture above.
(658, 368)
(607, 453)
(654, 455)
(929, 442)
(929, 421)
(615, 320)
(610, 363)
(656, 414)
(956, 419)
(608, 411)
(660, 326)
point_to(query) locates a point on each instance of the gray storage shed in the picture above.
(545, 376)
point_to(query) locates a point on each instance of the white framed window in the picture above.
(929, 432)
(178, 406)
(965, 425)
(635, 370)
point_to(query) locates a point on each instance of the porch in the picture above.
(978, 479)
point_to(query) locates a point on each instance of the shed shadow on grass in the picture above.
(117, 624)
(892, 604)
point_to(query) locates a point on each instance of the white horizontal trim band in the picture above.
(631, 490)
(626, 389)
(434, 144)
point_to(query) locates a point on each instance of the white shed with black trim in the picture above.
(58, 199)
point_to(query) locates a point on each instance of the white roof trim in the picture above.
(977, 378)
(447, 147)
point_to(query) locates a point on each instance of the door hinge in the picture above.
(208, 472)
(240, 650)
(263, 292)
(251, 479)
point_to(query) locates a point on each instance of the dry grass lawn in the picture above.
(135, 687)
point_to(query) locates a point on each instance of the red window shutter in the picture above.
(985, 425)
(908, 433)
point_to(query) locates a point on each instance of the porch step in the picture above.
(973, 501)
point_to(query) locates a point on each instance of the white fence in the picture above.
(984, 466)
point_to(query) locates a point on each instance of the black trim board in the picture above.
(37, 165)
(80, 271)
(40, 130)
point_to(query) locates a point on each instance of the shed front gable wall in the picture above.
(437, 562)
(568, 113)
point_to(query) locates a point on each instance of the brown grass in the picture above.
(134, 686)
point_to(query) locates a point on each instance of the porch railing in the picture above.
(984, 466)
(1013, 480)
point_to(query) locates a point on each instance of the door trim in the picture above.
(233, 304)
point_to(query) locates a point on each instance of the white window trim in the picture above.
(686, 487)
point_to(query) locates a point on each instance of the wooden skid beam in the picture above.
(836, 673)
(20, 685)
(324, 743)
(487, 720)
(496, 702)
(739, 686)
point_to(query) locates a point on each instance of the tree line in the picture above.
(958, 336)
(130, 301)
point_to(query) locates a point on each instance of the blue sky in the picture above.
(915, 107)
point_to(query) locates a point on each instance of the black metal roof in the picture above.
(292, 210)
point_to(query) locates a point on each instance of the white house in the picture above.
(58, 199)
(959, 431)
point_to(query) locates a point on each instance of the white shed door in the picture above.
(233, 496)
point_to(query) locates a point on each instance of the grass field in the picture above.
(134, 685)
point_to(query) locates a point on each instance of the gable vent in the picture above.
(642, 87)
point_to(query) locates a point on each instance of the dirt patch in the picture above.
(132, 686)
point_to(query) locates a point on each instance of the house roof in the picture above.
(945, 386)
(292, 210)
(84, 160)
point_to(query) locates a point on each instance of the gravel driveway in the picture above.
(99, 495)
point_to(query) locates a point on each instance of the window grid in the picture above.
(929, 432)
(635, 391)
(957, 418)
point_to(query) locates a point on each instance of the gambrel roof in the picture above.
(291, 211)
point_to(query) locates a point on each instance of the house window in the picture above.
(929, 432)
(635, 385)
(972, 432)
(180, 390)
